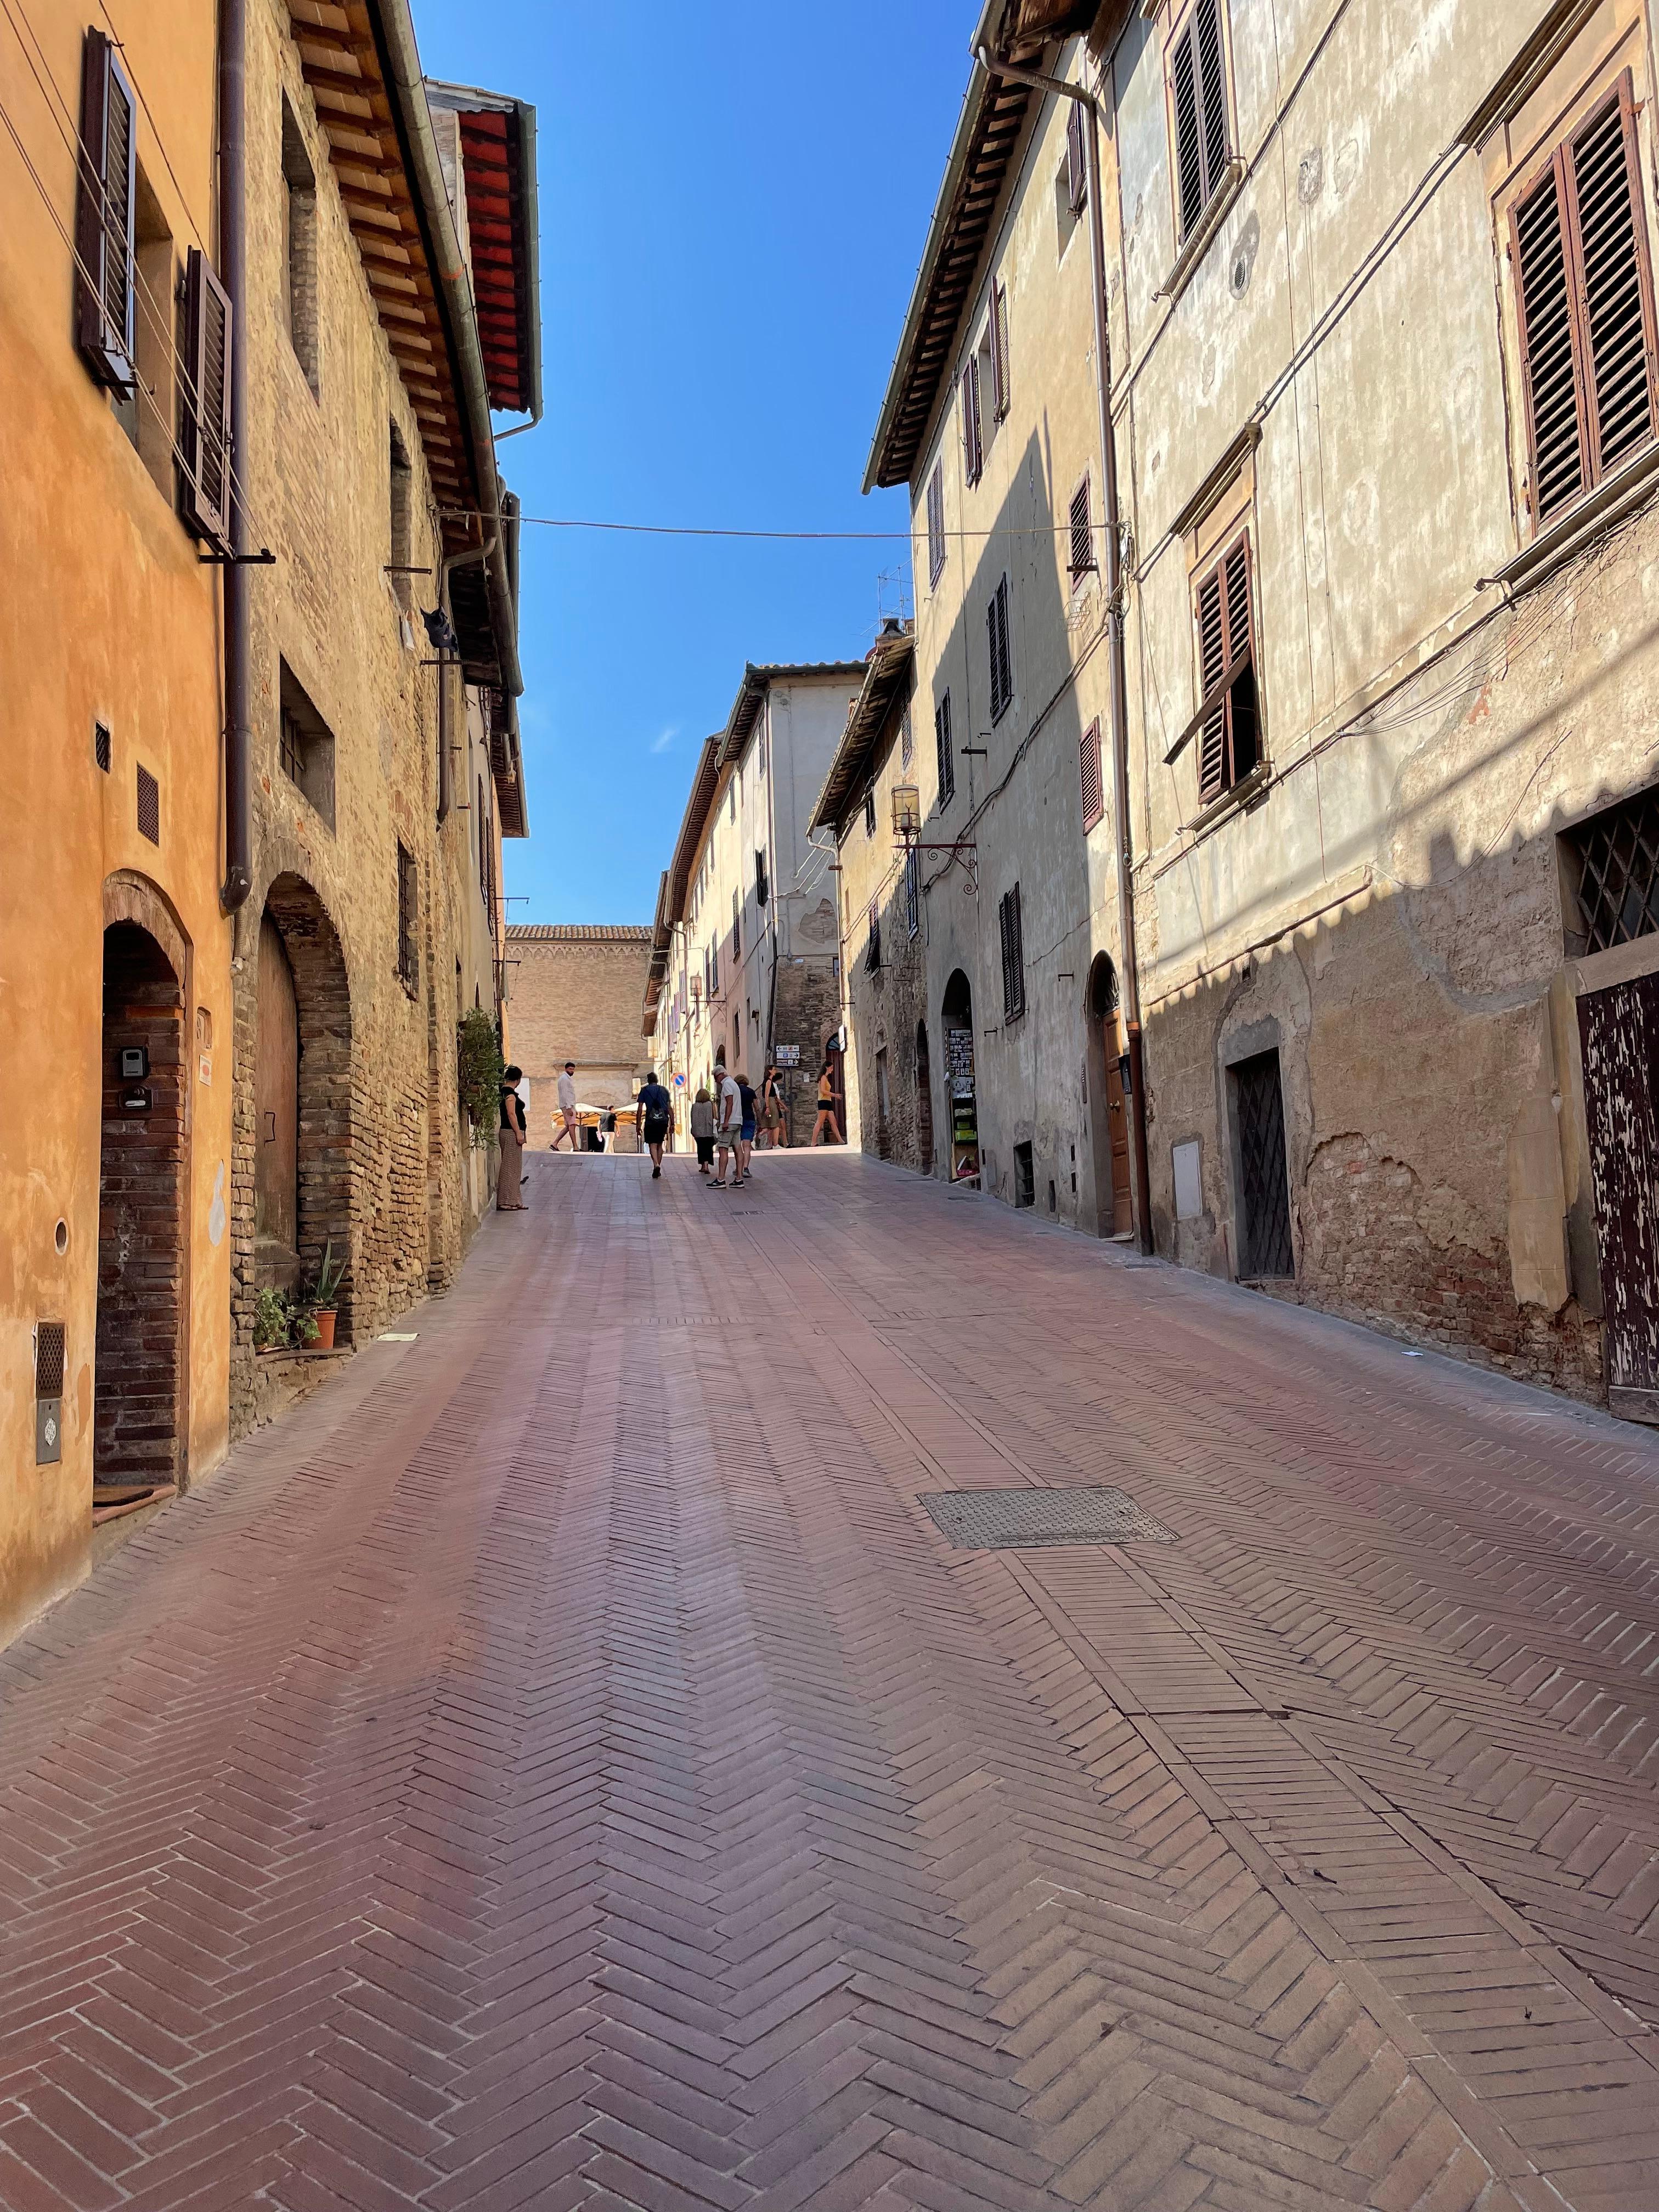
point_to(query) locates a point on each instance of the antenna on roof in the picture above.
(893, 595)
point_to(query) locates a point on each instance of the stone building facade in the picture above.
(745, 953)
(1382, 382)
(386, 766)
(884, 914)
(574, 991)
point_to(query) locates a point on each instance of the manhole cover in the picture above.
(1002, 1520)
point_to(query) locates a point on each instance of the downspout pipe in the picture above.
(233, 275)
(402, 62)
(1129, 980)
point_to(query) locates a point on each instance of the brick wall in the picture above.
(576, 994)
(140, 1219)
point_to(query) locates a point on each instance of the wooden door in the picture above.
(276, 1098)
(1117, 1127)
(1618, 1031)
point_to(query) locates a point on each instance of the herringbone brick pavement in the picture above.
(564, 1766)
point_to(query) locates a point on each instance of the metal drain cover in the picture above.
(1005, 1520)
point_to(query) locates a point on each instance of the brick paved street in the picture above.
(564, 1765)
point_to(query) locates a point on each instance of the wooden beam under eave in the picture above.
(319, 15)
(356, 143)
(380, 246)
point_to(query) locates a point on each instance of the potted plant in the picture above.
(321, 1307)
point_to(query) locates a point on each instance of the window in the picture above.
(305, 745)
(1083, 541)
(907, 739)
(150, 807)
(912, 891)
(872, 945)
(1024, 1176)
(947, 753)
(204, 455)
(870, 809)
(104, 220)
(483, 821)
(736, 926)
(1013, 954)
(408, 961)
(996, 626)
(1230, 741)
(1613, 867)
(732, 800)
(762, 888)
(400, 478)
(1000, 350)
(1077, 167)
(935, 523)
(1198, 100)
(152, 411)
(973, 443)
(1584, 303)
(102, 745)
(1094, 797)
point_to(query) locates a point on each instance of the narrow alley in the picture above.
(567, 1764)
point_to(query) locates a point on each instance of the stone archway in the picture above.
(961, 1097)
(1109, 1113)
(299, 1181)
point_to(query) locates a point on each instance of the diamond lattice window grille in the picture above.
(1618, 856)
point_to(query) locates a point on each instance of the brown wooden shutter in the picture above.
(973, 448)
(204, 455)
(1076, 171)
(999, 348)
(1229, 744)
(935, 525)
(104, 216)
(1082, 550)
(1013, 954)
(944, 749)
(1094, 800)
(1198, 84)
(1585, 304)
(996, 626)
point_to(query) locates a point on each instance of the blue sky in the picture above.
(733, 207)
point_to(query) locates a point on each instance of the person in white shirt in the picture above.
(728, 1123)
(568, 1110)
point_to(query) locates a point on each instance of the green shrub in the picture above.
(478, 1074)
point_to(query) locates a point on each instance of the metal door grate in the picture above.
(1267, 1250)
(49, 1359)
(1009, 1520)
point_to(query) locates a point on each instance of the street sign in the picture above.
(786, 1055)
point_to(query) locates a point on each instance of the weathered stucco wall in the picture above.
(106, 616)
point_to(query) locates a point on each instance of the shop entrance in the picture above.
(956, 1017)
(137, 1424)
(1619, 1033)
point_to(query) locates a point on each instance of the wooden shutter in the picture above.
(972, 445)
(999, 350)
(1198, 85)
(1228, 745)
(873, 949)
(946, 750)
(1082, 550)
(1013, 954)
(1076, 171)
(912, 891)
(1584, 304)
(104, 216)
(935, 525)
(204, 455)
(1094, 800)
(996, 624)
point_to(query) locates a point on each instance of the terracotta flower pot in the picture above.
(324, 1321)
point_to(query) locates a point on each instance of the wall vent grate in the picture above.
(150, 807)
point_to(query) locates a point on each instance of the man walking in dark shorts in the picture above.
(650, 1119)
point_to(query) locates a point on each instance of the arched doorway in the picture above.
(1108, 1115)
(924, 1101)
(837, 1059)
(956, 1018)
(138, 1406)
(303, 1132)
